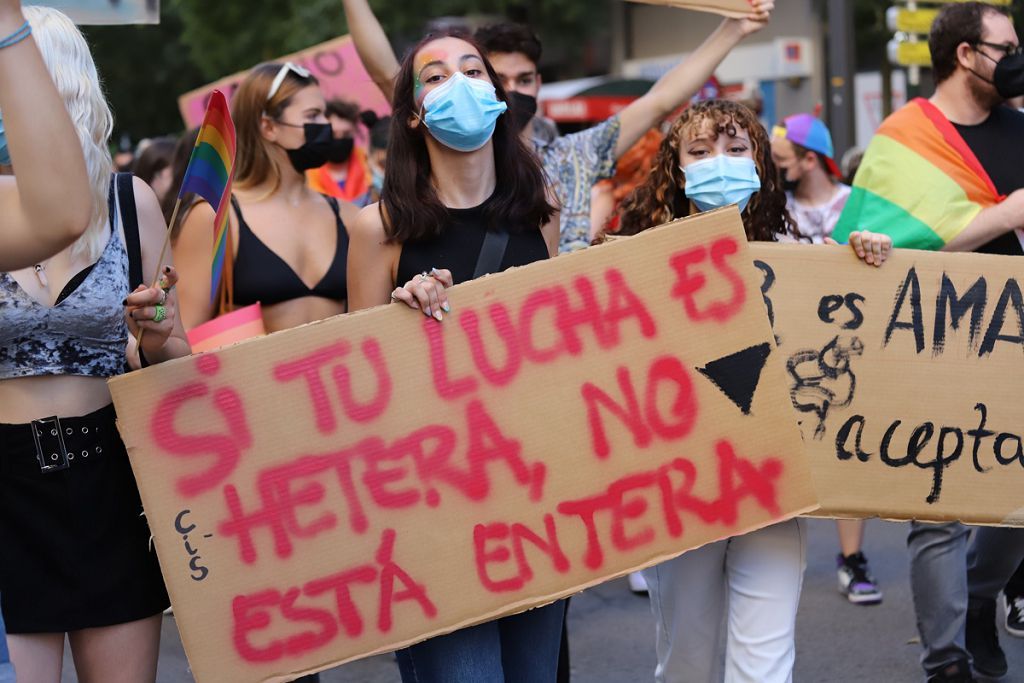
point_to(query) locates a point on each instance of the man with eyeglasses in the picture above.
(947, 173)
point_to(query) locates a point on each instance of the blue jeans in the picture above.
(6, 668)
(522, 648)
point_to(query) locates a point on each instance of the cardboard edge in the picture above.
(538, 601)
(618, 243)
(697, 7)
(1013, 521)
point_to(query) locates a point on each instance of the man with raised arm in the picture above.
(574, 162)
(945, 173)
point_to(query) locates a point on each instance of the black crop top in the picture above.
(458, 248)
(261, 275)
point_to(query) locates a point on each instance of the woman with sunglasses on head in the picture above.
(717, 153)
(460, 190)
(76, 559)
(288, 244)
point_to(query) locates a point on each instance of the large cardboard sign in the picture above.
(85, 12)
(358, 484)
(907, 379)
(335, 64)
(729, 8)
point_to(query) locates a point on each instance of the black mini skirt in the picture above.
(75, 547)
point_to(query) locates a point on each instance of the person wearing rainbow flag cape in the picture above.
(945, 173)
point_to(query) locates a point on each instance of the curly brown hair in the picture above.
(662, 198)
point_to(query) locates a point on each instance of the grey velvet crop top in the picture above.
(85, 333)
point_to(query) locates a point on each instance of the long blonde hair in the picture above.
(71, 66)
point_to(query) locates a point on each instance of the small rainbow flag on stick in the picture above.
(209, 173)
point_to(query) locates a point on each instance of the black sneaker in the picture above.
(855, 580)
(957, 672)
(983, 639)
(1014, 607)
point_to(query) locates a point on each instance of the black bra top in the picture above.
(263, 276)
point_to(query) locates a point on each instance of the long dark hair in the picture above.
(410, 206)
(662, 197)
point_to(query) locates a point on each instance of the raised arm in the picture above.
(372, 45)
(49, 205)
(686, 78)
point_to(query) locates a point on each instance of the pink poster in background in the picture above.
(335, 64)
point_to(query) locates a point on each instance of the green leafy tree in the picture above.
(146, 68)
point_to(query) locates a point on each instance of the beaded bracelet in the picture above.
(21, 34)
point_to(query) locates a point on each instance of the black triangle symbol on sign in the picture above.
(738, 373)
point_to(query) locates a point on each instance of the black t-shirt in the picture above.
(998, 143)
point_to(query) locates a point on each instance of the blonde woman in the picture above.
(76, 559)
(48, 206)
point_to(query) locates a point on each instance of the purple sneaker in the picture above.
(855, 581)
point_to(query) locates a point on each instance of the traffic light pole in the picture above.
(841, 72)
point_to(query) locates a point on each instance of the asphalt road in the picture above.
(612, 633)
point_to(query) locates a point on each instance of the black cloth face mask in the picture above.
(1009, 76)
(522, 108)
(340, 150)
(316, 150)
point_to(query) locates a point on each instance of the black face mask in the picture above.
(1009, 76)
(340, 150)
(789, 185)
(522, 109)
(314, 153)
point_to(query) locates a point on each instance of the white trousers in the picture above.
(758, 577)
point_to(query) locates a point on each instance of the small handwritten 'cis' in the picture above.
(199, 572)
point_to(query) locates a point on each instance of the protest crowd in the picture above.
(315, 208)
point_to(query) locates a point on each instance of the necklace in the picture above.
(40, 269)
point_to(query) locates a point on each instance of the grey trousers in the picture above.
(945, 573)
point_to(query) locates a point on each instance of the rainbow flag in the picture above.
(209, 173)
(919, 182)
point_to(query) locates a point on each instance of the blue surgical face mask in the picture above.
(720, 181)
(5, 155)
(462, 112)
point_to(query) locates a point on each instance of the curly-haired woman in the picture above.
(717, 153)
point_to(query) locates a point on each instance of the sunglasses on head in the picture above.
(299, 71)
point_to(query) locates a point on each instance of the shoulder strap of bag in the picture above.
(491, 253)
(130, 222)
(123, 209)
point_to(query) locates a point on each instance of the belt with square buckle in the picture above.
(52, 454)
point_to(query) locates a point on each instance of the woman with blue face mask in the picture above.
(462, 197)
(716, 154)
